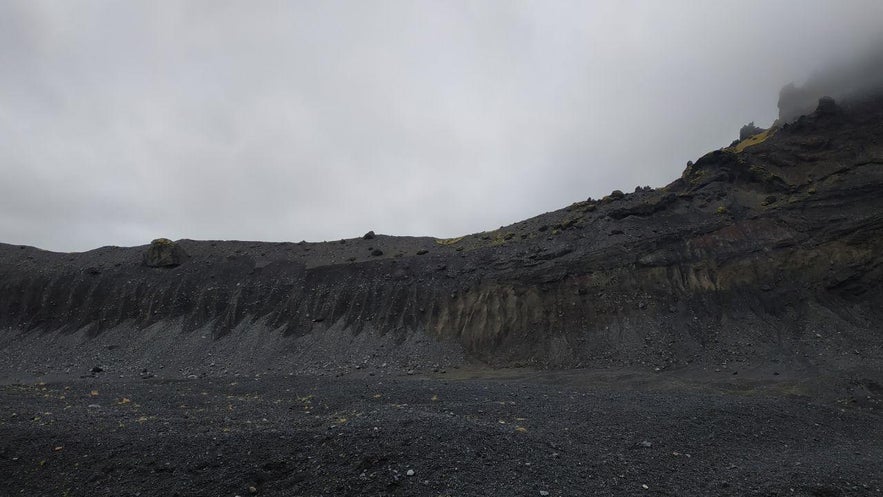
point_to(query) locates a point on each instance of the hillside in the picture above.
(719, 336)
(766, 251)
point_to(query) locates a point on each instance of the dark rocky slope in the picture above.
(767, 251)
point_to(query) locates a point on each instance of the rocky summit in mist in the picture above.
(769, 249)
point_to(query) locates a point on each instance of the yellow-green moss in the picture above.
(500, 238)
(696, 176)
(753, 140)
(449, 241)
(582, 207)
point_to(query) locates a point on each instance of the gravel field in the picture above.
(464, 433)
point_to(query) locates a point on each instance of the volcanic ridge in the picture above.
(770, 248)
(717, 336)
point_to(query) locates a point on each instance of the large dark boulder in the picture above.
(164, 253)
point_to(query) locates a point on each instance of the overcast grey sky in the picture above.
(125, 121)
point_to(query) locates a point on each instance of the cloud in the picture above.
(857, 76)
(124, 121)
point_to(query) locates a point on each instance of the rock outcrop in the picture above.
(163, 252)
(749, 130)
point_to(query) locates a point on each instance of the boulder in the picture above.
(163, 252)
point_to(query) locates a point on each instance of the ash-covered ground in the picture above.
(453, 433)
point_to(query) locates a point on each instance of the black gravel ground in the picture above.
(458, 434)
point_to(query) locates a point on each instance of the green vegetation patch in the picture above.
(753, 140)
(449, 241)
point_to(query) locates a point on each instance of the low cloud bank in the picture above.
(861, 76)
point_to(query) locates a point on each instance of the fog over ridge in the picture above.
(857, 76)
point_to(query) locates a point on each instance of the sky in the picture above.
(121, 122)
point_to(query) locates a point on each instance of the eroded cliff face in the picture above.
(769, 249)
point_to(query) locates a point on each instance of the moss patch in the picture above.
(753, 140)
(449, 241)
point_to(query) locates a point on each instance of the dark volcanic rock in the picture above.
(358, 435)
(750, 254)
(827, 106)
(163, 252)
